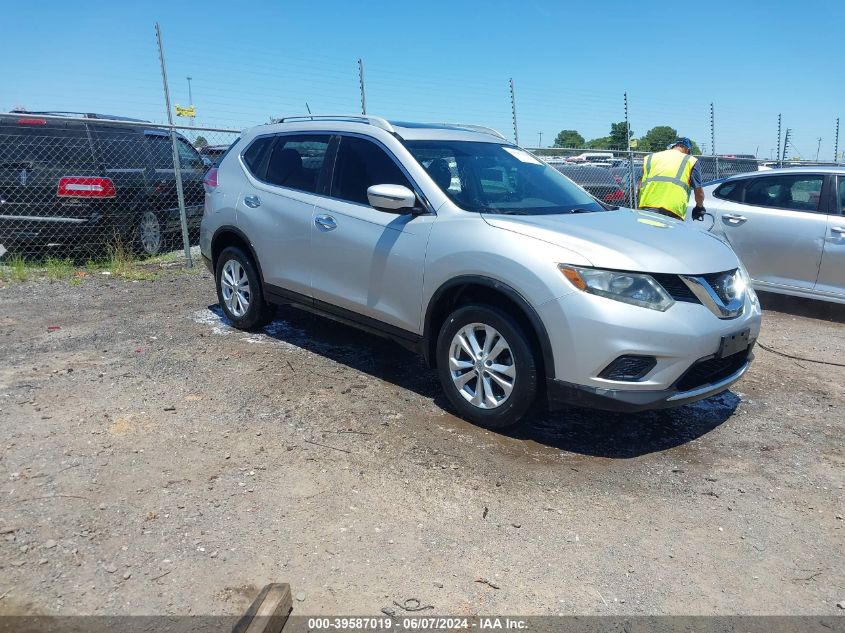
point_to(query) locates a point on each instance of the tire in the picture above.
(148, 238)
(460, 371)
(245, 308)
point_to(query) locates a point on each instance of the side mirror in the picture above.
(391, 198)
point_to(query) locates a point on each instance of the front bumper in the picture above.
(587, 333)
(563, 394)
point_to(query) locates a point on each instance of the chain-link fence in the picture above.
(90, 186)
(614, 176)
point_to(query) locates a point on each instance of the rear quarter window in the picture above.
(730, 191)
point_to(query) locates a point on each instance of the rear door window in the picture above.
(121, 150)
(161, 152)
(840, 196)
(361, 164)
(796, 192)
(296, 161)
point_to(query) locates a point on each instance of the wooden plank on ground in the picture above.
(269, 612)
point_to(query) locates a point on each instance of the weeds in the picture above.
(59, 269)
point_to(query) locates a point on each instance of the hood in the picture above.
(627, 240)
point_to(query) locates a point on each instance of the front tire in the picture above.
(239, 290)
(487, 366)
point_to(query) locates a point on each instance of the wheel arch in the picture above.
(227, 236)
(480, 289)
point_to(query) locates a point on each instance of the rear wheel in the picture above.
(149, 238)
(487, 366)
(239, 290)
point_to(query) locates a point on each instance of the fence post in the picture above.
(513, 112)
(631, 184)
(180, 194)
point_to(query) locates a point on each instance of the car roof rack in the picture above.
(353, 118)
(478, 128)
(80, 115)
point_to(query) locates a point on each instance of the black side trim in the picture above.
(510, 293)
(283, 296)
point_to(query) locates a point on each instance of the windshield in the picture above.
(496, 178)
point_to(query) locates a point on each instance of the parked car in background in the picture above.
(787, 226)
(90, 180)
(510, 280)
(598, 181)
(622, 176)
(214, 153)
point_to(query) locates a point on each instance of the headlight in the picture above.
(746, 284)
(634, 288)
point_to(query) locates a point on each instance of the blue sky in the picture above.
(447, 61)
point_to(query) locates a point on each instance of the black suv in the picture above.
(85, 181)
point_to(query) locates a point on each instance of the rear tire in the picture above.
(239, 290)
(487, 366)
(148, 238)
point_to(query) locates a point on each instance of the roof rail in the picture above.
(80, 115)
(354, 118)
(479, 128)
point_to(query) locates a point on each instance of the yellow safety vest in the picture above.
(666, 178)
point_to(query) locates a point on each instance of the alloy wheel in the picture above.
(235, 285)
(149, 233)
(482, 366)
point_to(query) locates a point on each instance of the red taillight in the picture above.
(85, 187)
(614, 196)
(210, 179)
(26, 121)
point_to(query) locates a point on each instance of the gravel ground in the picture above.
(153, 460)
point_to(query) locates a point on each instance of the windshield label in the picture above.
(522, 155)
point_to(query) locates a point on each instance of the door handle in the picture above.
(325, 223)
(253, 202)
(838, 230)
(734, 219)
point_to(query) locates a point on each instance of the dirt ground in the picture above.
(155, 461)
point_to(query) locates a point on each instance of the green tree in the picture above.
(602, 142)
(695, 148)
(569, 138)
(657, 138)
(200, 142)
(620, 133)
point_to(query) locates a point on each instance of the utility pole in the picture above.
(361, 80)
(778, 154)
(541, 139)
(180, 194)
(513, 113)
(818, 148)
(836, 143)
(190, 100)
(712, 131)
(631, 185)
(713, 138)
(785, 144)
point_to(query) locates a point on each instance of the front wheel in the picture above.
(487, 366)
(239, 290)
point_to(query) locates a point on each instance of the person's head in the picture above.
(682, 144)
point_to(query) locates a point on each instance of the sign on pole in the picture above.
(187, 111)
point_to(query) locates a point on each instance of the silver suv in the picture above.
(513, 282)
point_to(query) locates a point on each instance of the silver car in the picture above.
(787, 226)
(511, 281)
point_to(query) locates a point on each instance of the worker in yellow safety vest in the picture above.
(668, 177)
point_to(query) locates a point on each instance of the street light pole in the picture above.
(541, 139)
